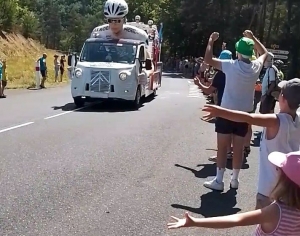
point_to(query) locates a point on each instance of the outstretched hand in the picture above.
(187, 221)
(212, 112)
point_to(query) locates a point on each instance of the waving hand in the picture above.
(187, 221)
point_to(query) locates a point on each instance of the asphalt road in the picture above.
(105, 171)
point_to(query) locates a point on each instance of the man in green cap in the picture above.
(241, 76)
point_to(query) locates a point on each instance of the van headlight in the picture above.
(123, 76)
(78, 73)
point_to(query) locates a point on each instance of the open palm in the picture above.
(211, 112)
(187, 221)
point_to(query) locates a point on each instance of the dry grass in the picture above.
(21, 55)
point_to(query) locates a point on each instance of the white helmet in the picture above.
(115, 9)
(150, 22)
(137, 17)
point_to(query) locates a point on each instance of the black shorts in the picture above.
(44, 73)
(223, 126)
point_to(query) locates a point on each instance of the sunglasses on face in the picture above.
(114, 21)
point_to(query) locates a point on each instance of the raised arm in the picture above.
(208, 58)
(263, 52)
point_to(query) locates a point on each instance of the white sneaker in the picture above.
(214, 185)
(234, 183)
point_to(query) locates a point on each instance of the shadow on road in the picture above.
(66, 107)
(214, 204)
(207, 170)
(256, 140)
(103, 106)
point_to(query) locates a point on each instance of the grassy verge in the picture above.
(21, 55)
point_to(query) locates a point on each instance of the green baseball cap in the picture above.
(245, 46)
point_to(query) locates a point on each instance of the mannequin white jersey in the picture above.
(128, 32)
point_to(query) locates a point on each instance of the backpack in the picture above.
(276, 90)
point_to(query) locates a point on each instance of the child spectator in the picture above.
(56, 63)
(281, 218)
(281, 133)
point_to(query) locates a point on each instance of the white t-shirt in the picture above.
(287, 140)
(240, 82)
(128, 32)
(270, 73)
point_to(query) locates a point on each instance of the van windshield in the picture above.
(108, 52)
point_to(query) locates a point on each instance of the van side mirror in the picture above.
(148, 64)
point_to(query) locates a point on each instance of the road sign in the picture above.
(278, 51)
(281, 57)
(278, 54)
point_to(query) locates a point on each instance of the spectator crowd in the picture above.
(58, 66)
(236, 87)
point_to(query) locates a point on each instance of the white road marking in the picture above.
(64, 113)
(15, 127)
(194, 92)
(172, 93)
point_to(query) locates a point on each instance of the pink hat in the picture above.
(289, 163)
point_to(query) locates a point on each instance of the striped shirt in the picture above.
(288, 224)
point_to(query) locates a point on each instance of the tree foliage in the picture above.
(65, 24)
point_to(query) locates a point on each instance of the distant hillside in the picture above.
(21, 54)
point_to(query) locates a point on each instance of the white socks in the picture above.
(235, 174)
(221, 171)
(220, 174)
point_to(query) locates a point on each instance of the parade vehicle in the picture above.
(123, 66)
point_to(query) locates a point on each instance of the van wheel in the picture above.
(137, 101)
(79, 101)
